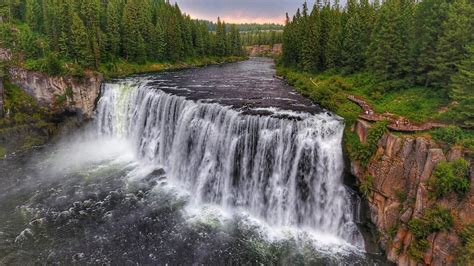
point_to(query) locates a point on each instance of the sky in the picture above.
(242, 11)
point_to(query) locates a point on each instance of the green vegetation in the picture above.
(466, 253)
(3, 151)
(367, 185)
(66, 36)
(262, 37)
(449, 177)
(419, 55)
(434, 219)
(23, 117)
(246, 27)
(20, 107)
(363, 152)
(453, 135)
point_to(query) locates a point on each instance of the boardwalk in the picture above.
(397, 123)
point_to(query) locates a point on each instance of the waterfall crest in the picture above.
(287, 172)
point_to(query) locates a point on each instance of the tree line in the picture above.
(90, 32)
(246, 26)
(403, 42)
(270, 37)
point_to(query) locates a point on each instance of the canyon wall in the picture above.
(399, 192)
(60, 94)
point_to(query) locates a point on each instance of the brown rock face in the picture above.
(362, 130)
(401, 169)
(5, 54)
(80, 96)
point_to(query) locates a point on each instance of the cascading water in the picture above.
(287, 172)
(214, 166)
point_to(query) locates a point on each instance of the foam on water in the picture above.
(281, 175)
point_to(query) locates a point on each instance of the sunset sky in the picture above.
(242, 11)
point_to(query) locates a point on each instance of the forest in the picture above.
(262, 37)
(89, 33)
(245, 27)
(401, 44)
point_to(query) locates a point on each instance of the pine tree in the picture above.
(235, 42)
(133, 42)
(430, 15)
(457, 34)
(462, 88)
(353, 50)
(113, 27)
(160, 41)
(80, 41)
(310, 47)
(220, 38)
(389, 50)
(332, 53)
(174, 42)
(90, 15)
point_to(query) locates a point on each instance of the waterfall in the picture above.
(287, 172)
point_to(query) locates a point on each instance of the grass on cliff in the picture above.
(434, 219)
(466, 252)
(24, 120)
(418, 104)
(20, 107)
(450, 177)
(52, 65)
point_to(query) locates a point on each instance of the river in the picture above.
(218, 165)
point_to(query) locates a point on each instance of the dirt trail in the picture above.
(397, 123)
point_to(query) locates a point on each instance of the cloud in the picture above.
(238, 11)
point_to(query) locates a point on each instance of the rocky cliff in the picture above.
(60, 93)
(399, 192)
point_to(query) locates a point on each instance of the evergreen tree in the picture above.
(429, 17)
(457, 34)
(113, 27)
(90, 15)
(462, 88)
(310, 47)
(353, 50)
(389, 49)
(174, 42)
(220, 38)
(332, 53)
(80, 41)
(133, 42)
(235, 43)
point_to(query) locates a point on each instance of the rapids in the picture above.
(225, 164)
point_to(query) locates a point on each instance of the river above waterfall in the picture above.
(219, 165)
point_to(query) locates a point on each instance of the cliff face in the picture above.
(60, 93)
(399, 193)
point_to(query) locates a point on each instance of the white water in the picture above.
(283, 172)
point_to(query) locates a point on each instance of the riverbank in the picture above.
(419, 186)
(37, 104)
(418, 104)
(123, 68)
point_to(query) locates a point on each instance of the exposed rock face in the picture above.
(5, 54)
(265, 50)
(60, 93)
(401, 169)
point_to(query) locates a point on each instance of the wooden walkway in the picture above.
(397, 123)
